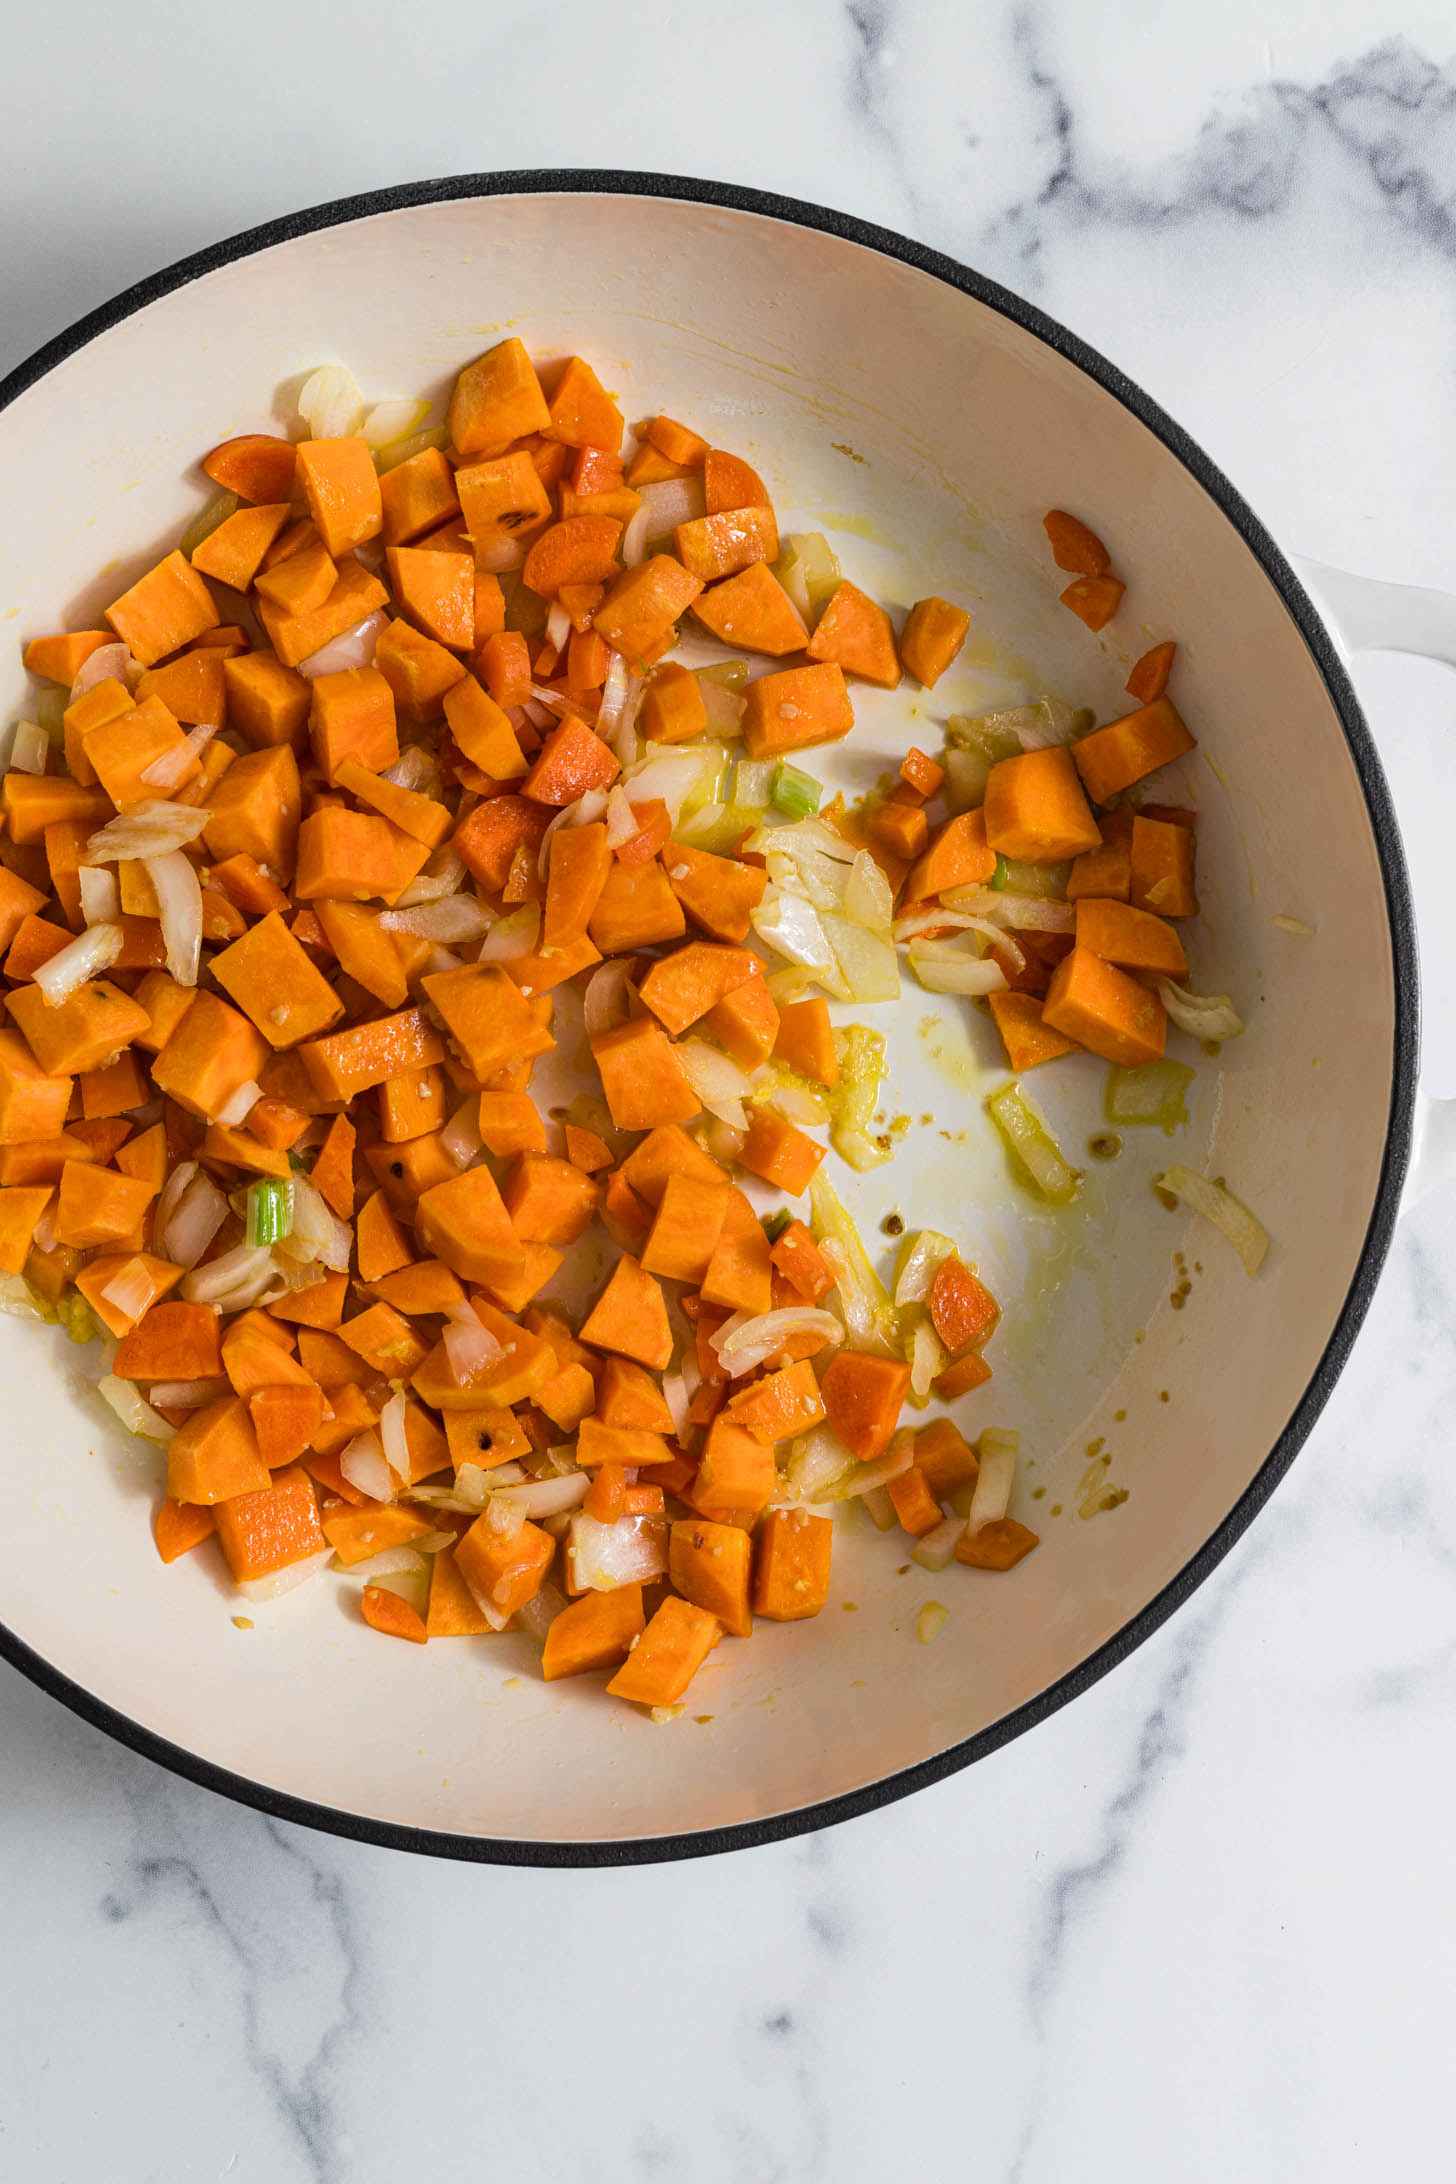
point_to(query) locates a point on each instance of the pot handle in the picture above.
(1364, 614)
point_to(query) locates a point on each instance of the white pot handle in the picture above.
(1365, 615)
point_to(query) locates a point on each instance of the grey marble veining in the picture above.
(1195, 1926)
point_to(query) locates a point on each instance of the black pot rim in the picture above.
(746, 1834)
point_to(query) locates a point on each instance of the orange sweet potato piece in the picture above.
(1106, 872)
(740, 1272)
(578, 863)
(285, 1420)
(95, 1278)
(1105, 1010)
(593, 1632)
(504, 666)
(257, 466)
(18, 901)
(301, 582)
(710, 1566)
(496, 400)
(902, 829)
(641, 1076)
(580, 550)
(779, 1152)
(81, 1032)
(791, 1564)
(753, 610)
(628, 1397)
(685, 1231)
(668, 1654)
(1074, 548)
(795, 707)
(193, 688)
(960, 856)
(274, 982)
(572, 760)
(933, 634)
(667, 1151)
(643, 605)
(332, 1174)
(713, 546)
(999, 1545)
(490, 837)
(682, 987)
(34, 802)
(172, 1341)
(416, 496)
(364, 1055)
(213, 1052)
(1136, 940)
(418, 670)
(745, 1023)
(255, 811)
(625, 1217)
(20, 1209)
(213, 1456)
(436, 591)
(296, 637)
(719, 894)
(780, 1405)
(121, 749)
(341, 487)
(736, 1474)
(1027, 1039)
(393, 1616)
(683, 447)
(549, 1201)
(270, 1528)
(672, 709)
(630, 1317)
(163, 610)
(452, 1611)
(1113, 758)
(1093, 599)
(60, 659)
(483, 731)
(581, 412)
(352, 717)
(862, 1396)
(1160, 868)
(916, 1507)
(504, 1574)
(805, 1040)
(636, 908)
(266, 701)
(181, 1526)
(856, 631)
(1149, 677)
(730, 482)
(353, 856)
(464, 1222)
(1035, 809)
(962, 1310)
(970, 1371)
(487, 1018)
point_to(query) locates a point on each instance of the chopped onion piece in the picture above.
(386, 422)
(234, 1281)
(29, 748)
(750, 1341)
(1234, 1220)
(131, 1289)
(147, 830)
(330, 404)
(100, 895)
(817, 1463)
(997, 1453)
(558, 631)
(867, 961)
(792, 925)
(454, 918)
(935, 919)
(926, 1357)
(920, 1266)
(583, 813)
(543, 1497)
(880, 1508)
(1032, 1145)
(672, 501)
(500, 554)
(108, 663)
(621, 819)
(469, 1346)
(16, 1299)
(91, 951)
(868, 1313)
(179, 902)
(936, 1550)
(364, 1465)
(278, 1582)
(600, 1557)
(1203, 1017)
(391, 1562)
(868, 900)
(185, 1394)
(537, 1616)
(353, 648)
(171, 768)
(1027, 913)
(239, 1106)
(460, 1140)
(941, 967)
(675, 1395)
(412, 769)
(513, 936)
(317, 1232)
(718, 1081)
(393, 1438)
(135, 1413)
(442, 874)
(865, 1477)
(605, 1000)
(633, 545)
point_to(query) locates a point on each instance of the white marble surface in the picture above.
(1195, 1927)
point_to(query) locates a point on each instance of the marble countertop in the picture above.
(1197, 1925)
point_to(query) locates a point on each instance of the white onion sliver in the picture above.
(135, 1413)
(412, 768)
(91, 951)
(392, 1562)
(188, 1225)
(745, 1345)
(239, 1105)
(330, 404)
(583, 813)
(513, 936)
(364, 1465)
(442, 874)
(935, 1550)
(130, 1289)
(633, 545)
(1228, 1214)
(237, 1279)
(469, 1346)
(354, 648)
(600, 1557)
(1027, 913)
(146, 830)
(621, 819)
(1211, 1016)
(460, 1140)
(172, 767)
(453, 918)
(544, 1497)
(107, 663)
(952, 971)
(539, 1614)
(675, 1395)
(921, 1264)
(996, 1452)
(716, 1079)
(386, 422)
(185, 1394)
(260, 1590)
(179, 903)
(558, 626)
(29, 748)
(170, 1197)
(394, 1437)
(100, 895)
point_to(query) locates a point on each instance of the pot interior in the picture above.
(926, 434)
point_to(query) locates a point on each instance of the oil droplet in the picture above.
(1056, 1508)
(1118, 1416)
(1095, 1448)
(1037, 1492)
(243, 1622)
(850, 1607)
(1163, 1396)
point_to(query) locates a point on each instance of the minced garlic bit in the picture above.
(243, 1622)
(668, 1713)
(931, 1621)
(1293, 925)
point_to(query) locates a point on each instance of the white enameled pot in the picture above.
(925, 419)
